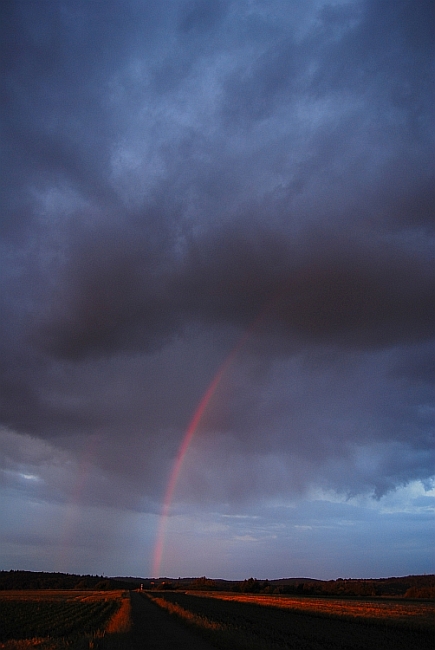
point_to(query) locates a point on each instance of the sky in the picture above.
(217, 287)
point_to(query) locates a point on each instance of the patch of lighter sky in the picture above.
(56, 208)
(135, 173)
(404, 499)
(29, 477)
(303, 17)
(195, 525)
(410, 498)
(24, 450)
(137, 162)
(55, 202)
(242, 517)
(14, 477)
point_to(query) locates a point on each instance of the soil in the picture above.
(155, 629)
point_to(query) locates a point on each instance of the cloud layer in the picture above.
(179, 177)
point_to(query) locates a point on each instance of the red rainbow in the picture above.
(188, 436)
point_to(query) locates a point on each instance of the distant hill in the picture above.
(422, 586)
(293, 581)
(43, 580)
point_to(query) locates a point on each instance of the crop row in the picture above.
(28, 619)
(230, 624)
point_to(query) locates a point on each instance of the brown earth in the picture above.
(155, 629)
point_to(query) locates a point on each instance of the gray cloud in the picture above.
(178, 177)
(122, 292)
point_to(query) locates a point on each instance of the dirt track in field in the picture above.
(155, 629)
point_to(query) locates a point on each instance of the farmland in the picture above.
(59, 619)
(415, 614)
(79, 620)
(278, 623)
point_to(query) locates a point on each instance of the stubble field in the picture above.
(262, 622)
(78, 620)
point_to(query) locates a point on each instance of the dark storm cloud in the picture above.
(177, 174)
(120, 292)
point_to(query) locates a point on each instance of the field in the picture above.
(262, 622)
(51, 620)
(415, 614)
(79, 620)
